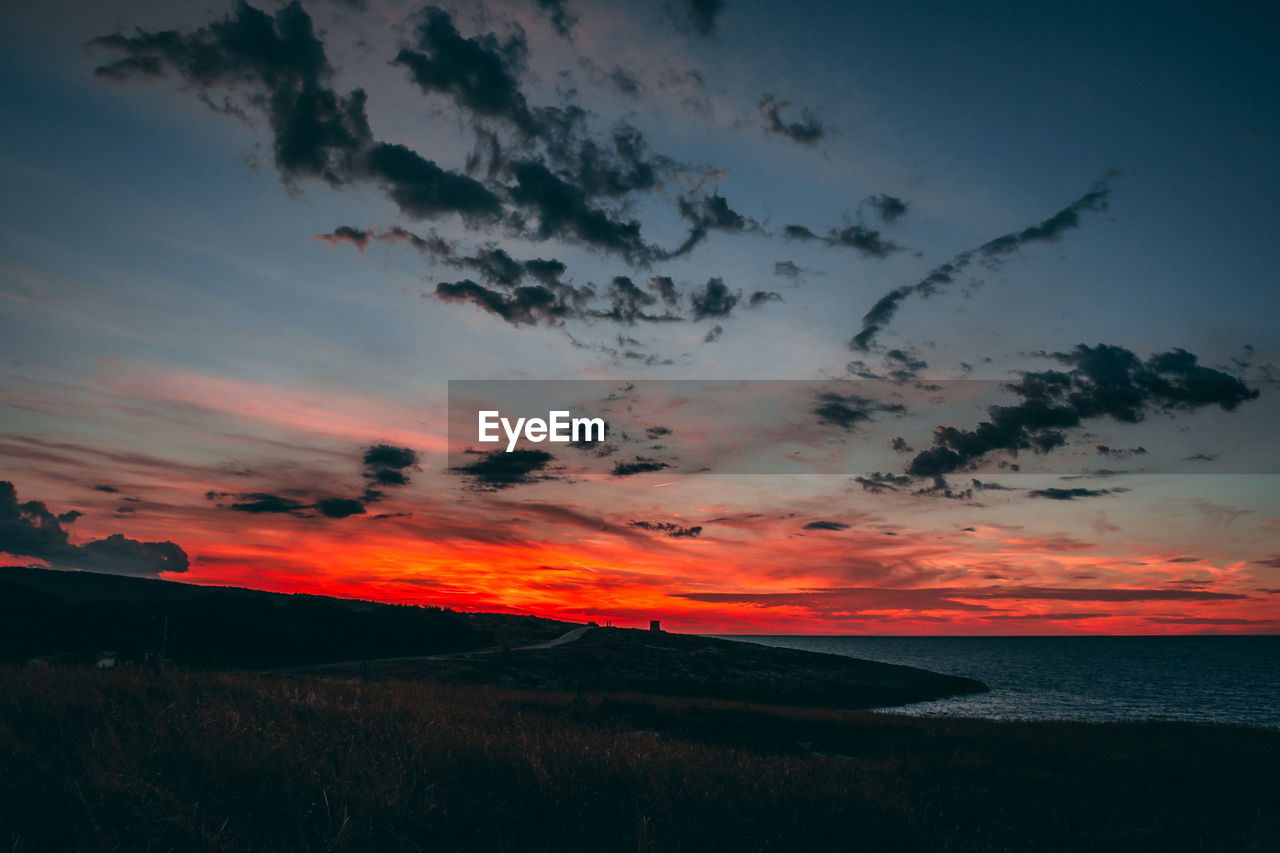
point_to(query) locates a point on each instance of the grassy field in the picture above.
(136, 760)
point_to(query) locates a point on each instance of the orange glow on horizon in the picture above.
(626, 584)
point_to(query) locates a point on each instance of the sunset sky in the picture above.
(954, 318)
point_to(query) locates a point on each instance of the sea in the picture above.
(1218, 679)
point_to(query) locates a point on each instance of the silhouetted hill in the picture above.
(72, 616)
(626, 660)
(77, 614)
(82, 587)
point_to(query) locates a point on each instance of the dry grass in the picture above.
(131, 760)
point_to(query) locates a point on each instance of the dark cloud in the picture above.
(763, 297)
(887, 207)
(789, 269)
(848, 410)
(561, 20)
(807, 131)
(866, 241)
(879, 483)
(529, 306)
(666, 290)
(713, 334)
(108, 489)
(708, 214)
(642, 465)
(1057, 494)
(1103, 381)
(940, 488)
(1104, 450)
(258, 503)
(492, 263)
(499, 469)
(629, 303)
(383, 465)
(388, 477)
(620, 166)
(657, 432)
(480, 74)
(879, 316)
(671, 529)
(564, 212)
(547, 271)
(262, 502)
(524, 305)
(899, 366)
(389, 456)
(29, 529)
(386, 464)
(1051, 229)
(346, 234)
(117, 554)
(826, 525)
(649, 359)
(713, 300)
(862, 370)
(339, 507)
(423, 190)
(565, 184)
(496, 266)
(279, 66)
(903, 365)
(991, 254)
(987, 486)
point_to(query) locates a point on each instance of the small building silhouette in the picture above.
(655, 626)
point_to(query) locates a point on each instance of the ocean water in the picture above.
(1198, 679)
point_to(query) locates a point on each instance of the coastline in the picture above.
(626, 660)
(562, 739)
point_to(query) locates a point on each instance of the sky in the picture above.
(906, 318)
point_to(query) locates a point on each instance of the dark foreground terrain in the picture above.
(629, 660)
(66, 617)
(131, 759)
